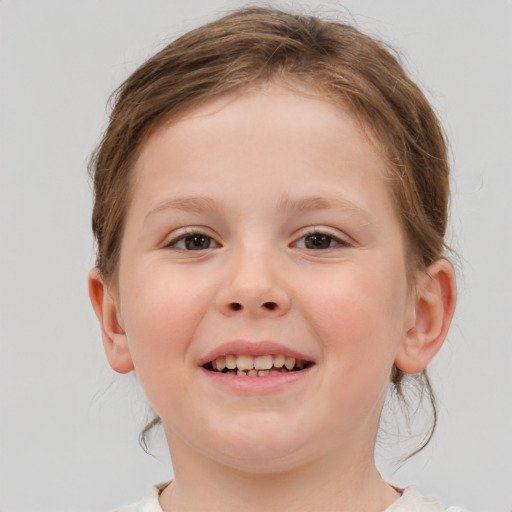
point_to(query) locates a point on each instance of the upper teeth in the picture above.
(248, 363)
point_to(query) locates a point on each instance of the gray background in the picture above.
(68, 426)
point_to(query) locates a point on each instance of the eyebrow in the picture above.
(312, 203)
(199, 204)
(193, 204)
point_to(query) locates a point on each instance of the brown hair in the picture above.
(256, 45)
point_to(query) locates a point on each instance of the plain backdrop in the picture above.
(68, 425)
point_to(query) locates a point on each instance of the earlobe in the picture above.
(113, 334)
(433, 311)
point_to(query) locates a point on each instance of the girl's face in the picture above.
(261, 226)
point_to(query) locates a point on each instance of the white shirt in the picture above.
(410, 501)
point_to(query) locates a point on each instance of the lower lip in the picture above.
(255, 385)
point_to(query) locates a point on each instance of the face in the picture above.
(261, 232)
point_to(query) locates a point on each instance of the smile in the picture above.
(260, 366)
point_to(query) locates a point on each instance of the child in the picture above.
(270, 209)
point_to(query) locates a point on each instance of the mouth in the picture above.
(256, 366)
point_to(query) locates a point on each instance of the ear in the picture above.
(434, 304)
(113, 334)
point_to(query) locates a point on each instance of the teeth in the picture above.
(244, 363)
(230, 362)
(263, 362)
(289, 362)
(279, 361)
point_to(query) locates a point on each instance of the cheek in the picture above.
(360, 318)
(161, 312)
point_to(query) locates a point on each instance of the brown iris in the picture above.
(317, 241)
(197, 242)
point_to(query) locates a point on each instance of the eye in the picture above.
(193, 242)
(318, 241)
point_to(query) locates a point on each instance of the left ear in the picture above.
(434, 305)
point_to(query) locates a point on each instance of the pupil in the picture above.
(194, 242)
(318, 241)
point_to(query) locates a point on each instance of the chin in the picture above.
(260, 447)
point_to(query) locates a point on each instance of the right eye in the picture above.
(193, 242)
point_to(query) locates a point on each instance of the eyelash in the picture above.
(322, 233)
(189, 234)
(323, 238)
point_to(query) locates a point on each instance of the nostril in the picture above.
(268, 306)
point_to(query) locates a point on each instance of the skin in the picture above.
(257, 174)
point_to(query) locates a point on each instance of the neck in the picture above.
(332, 482)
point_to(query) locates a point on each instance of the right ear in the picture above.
(113, 334)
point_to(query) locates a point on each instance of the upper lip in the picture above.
(251, 348)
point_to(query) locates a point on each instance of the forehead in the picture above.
(280, 140)
(288, 113)
(288, 89)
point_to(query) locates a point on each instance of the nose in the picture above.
(253, 286)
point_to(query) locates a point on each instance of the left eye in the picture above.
(318, 241)
(194, 242)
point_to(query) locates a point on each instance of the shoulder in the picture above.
(149, 503)
(413, 501)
